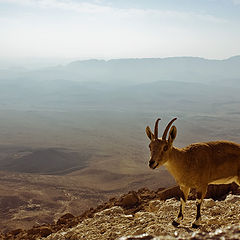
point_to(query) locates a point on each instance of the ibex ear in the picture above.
(149, 133)
(172, 135)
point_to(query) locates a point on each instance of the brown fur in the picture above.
(203, 163)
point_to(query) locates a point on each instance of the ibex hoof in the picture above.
(175, 224)
(194, 225)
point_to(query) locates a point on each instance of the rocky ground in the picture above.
(146, 215)
(155, 220)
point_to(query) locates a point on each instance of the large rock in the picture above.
(219, 192)
(42, 231)
(65, 218)
(216, 192)
(129, 200)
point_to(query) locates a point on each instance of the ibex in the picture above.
(194, 166)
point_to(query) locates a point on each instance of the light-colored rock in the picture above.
(145, 215)
(219, 219)
(155, 205)
(208, 203)
(110, 211)
(232, 198)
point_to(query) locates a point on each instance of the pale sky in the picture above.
(108, 29)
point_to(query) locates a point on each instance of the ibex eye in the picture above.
(165, 148)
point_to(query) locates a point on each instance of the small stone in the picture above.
(145, 216)
(139, 237)
(138, 231)
(154, 205)
(232, 198)
(208, 203)
(110, 211)
(130, 216)
(218, 231)
(16, 231)
(65, 218)
(45, 231)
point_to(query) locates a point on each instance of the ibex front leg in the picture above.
(200, 196)
(183, 199)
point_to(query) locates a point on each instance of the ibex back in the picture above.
(194, 166)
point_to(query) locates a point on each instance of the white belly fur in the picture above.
(224, 180)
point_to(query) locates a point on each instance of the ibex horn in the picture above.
(156, 128)
(167, 128)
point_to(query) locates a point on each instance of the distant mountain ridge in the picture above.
(120, 83)
(128, 60)
(135, 70)
(157, 69)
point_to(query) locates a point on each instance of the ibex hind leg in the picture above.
(200, 196)
(183, 199)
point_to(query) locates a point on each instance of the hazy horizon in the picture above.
(35, 63)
